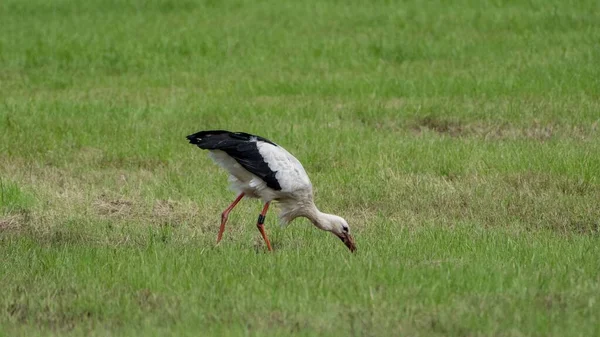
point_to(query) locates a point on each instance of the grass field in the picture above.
(460, 139)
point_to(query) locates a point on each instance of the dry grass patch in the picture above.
(12, 222)
(119, 208)
(536, 131)
(529, 200)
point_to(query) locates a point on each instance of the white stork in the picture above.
(261, 169)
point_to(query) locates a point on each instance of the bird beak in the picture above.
(348, 240)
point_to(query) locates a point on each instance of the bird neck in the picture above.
(318, 218)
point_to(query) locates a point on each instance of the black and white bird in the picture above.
(261, 169)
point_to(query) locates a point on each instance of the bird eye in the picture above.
(345, 229)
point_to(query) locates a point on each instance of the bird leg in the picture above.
(261, 226)
(225, 214)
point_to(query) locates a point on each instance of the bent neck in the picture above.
(319, 219)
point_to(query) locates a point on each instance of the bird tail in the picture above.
(210, 140)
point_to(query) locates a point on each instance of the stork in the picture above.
(261, 169)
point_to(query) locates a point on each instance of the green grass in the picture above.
(459, 139)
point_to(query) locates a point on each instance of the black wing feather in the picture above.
(239, 146)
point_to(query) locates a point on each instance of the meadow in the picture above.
(460, 139)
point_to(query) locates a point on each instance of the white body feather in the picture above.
(295, 196)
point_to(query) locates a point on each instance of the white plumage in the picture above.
(261, 169)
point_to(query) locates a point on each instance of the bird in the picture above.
(259, 168)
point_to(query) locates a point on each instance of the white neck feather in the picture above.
(318, 218)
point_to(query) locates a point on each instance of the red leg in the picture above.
(261, 226)
(225, 214)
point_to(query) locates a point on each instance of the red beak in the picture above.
(348, 240)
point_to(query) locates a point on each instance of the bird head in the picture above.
(340, 228)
